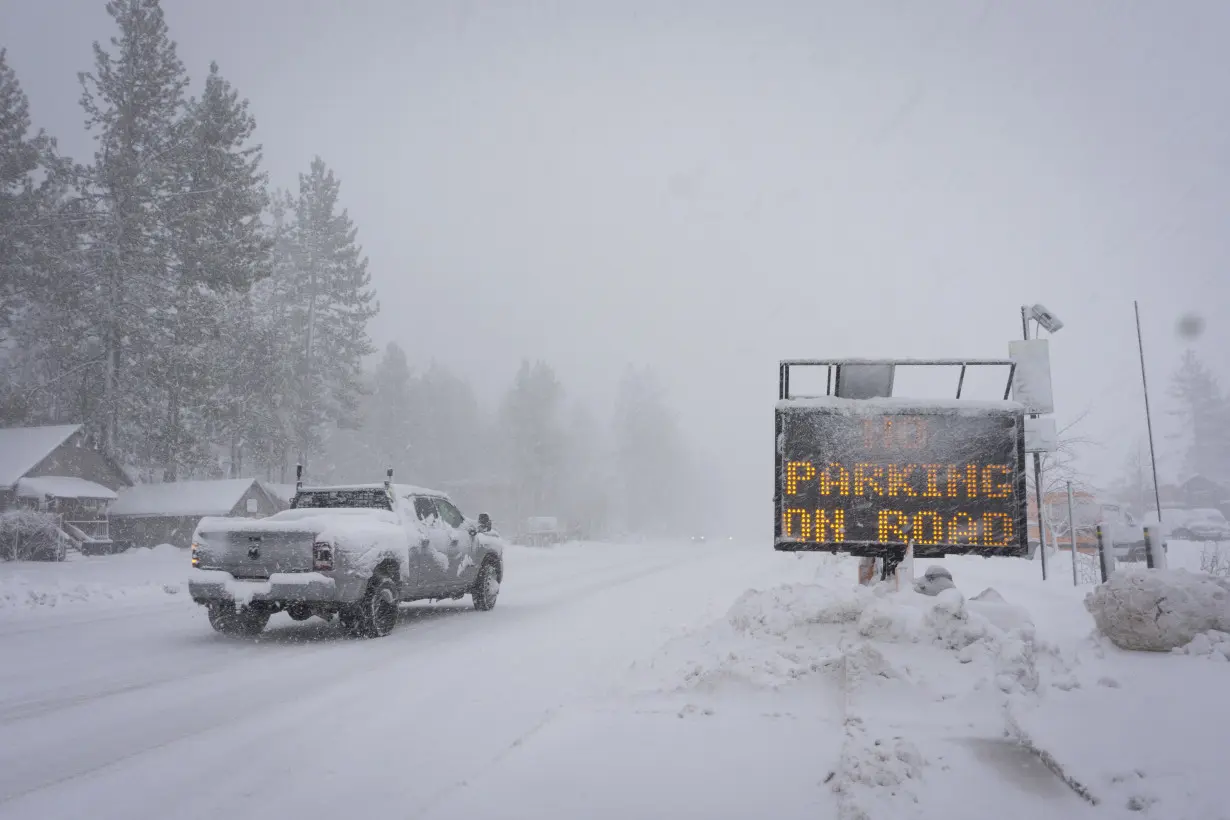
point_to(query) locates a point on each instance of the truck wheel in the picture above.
(376, 614)
(225, 618)
(299, 612)
(486, 587)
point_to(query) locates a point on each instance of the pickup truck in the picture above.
(353, 552)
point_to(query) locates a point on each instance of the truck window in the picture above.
(424, 508)
(451, 515)
(375, 499)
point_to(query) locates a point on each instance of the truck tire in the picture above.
(228, 620)
(486, 587)
(375, 615)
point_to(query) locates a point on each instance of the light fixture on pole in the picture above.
(1049, 321)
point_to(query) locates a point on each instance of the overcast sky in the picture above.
(712, 186)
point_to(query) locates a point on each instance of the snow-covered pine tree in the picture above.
(133, 101)
(19, 162)
(47, 366)
(270, 333)
(1204, 420)
(449, 433)
(248, 424)
(329, 302)
(388, 425)
(221, 248)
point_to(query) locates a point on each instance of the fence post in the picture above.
(1155, 550)
(1072, 532)
(1105, 552)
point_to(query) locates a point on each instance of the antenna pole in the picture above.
(1144, 384)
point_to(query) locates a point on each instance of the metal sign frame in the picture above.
(892, 550)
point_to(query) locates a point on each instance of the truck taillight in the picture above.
(322, 555)
(196, 559)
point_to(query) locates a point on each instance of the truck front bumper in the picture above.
(215, 586)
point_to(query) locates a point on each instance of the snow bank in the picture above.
(1159, 610)
(771, 638)
(138, 576)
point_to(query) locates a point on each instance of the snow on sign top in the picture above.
(182, 498)
(879, 406)
(22, 448)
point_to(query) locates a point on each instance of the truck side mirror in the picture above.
(484, 522)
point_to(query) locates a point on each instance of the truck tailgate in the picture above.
(256, 554)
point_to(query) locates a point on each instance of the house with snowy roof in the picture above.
(57, 470)
(147, 515)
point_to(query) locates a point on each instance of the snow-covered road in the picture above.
(611, 681)
(144, 712)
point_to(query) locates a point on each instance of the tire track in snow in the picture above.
(14, 712)
(269, 700)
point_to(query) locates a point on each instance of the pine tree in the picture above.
(1135, 483)
(329, 301)
(650, 454)
(533, 433)
(221, 248)
(1204, 416)
(585, 474)
(133, 101)
(19, 161)
(448, 435)
(388, 428)
(48, 365)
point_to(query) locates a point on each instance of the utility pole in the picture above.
(1144, 384)
(1151, 559)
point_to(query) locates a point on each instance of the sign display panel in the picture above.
(867, 481)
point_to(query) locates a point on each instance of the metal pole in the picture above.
(1037, 465)
(1144, 383)
(1103, 561)
(1038, 494)
(1072, 532)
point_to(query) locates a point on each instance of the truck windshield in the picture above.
(376, 499)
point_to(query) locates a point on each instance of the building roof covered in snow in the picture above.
(22, 448)
(58, 486)
(283, 492)
(173, 499)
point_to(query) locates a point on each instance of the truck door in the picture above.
(429, 554)
(462, 568)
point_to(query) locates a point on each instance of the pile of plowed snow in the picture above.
(770, 638)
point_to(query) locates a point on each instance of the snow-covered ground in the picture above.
(83, 583)
(611, 681)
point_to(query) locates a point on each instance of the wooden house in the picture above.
(147, 515)
(55, 469)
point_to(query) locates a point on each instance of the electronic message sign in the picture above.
(868, 477)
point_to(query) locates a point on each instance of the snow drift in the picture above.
(1159, 610)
